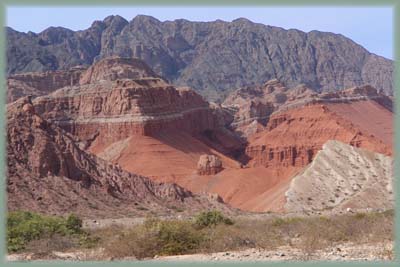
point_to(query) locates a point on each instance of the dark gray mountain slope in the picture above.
(212, 57)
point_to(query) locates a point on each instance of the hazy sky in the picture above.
(371, 27)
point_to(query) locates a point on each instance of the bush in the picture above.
(156, 237)
(23, 227)
(74, 223)
(211, 218)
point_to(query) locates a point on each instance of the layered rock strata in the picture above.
(254, 105)
(118, 98)
(41, 83)
(343, 177)
(293, 137)
(114, 68)
(49, 173)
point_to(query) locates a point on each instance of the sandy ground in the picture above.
(343, 252)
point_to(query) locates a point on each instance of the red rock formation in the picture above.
(114, 68)
(49, 173)
(146, 125)
(154, 129)
(40, 83)
(258, 103)
(253, 105)
(293, 137)
(209, 165)
(117, 110)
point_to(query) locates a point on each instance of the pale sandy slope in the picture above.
(340, 177)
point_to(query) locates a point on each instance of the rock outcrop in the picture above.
(293, 137)
(115, 68)
(117, 98)
(41, 83)
(135, 120)
(343, 177)
(253, 106)
(209, 165)
(49, 173)
(196, 54)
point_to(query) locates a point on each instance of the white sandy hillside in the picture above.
(341, 177)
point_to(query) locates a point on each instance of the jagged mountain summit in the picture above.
(212, 57)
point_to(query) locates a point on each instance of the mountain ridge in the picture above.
(212, 57)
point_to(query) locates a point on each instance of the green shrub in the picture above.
(177, 237)
(211, 218)
(74, 223)
(23, 227)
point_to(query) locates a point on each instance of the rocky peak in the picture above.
(206, 64)
(115, 21)
(144, 20)
(54, 35)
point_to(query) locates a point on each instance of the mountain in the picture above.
(214, 58)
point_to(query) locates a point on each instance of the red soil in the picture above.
(369, 117)
(166, 156)
(288, 144)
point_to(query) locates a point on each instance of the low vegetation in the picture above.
(25, 228)
(211, 218)
(207, 232)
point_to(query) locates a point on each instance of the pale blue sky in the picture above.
(372, 27)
